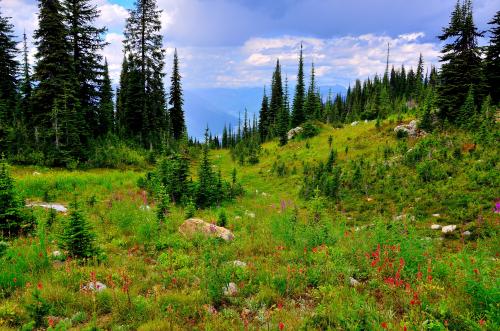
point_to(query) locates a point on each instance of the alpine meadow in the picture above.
(359, 191)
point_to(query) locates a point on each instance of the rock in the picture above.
(239, 264)
(294, 132)
(230, 290)
(94, 286)
(354, 282)
(366, 121)
(237, 217)
(210, 309)
(250, 214)
(411, 129)
(435, 226)
(436, 215)
(56, 253)
(145, 207)
(467, 233)
(194, 226)
(56, 206)
(354, 123)
(369, 199)
(36, 173)
(448, 228)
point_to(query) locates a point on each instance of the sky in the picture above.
(235, 43)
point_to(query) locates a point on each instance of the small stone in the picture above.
(94, 286)
(250, 214)
(354, 282)
(436, 215)
(448, 228)
(467, 233)
(239, 264)
(369, 199)
(36, 173)
(231, 289)
(435, 226)
(354, 123)
(56, 253)
(237, 217)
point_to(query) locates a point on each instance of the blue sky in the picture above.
(235, 43)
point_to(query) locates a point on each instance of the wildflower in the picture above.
(15, 280)
(281, 326)
(429, 278)
(446, 323)
(496, 209)
(476, 271)
(384, 325)
(280, 305)
(482, 322)
(39, 286)
(419, 274)
(51, 321)
(404, 328)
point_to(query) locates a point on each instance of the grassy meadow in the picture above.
(368, 260)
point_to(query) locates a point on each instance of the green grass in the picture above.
(298, 270)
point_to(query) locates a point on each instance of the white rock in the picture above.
(354, 123)
(435, 226)
(230, 290)
(294, 132)
(353, 282)
(194, 226)
(448, 228)
(237, 217)
(436, 215)
(97, 286)
(56, 206)
(56, 253)
(467, 233)
(36, 173)
(239, 264)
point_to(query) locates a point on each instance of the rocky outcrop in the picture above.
(195, 226)
(411, 129)
(294, 132)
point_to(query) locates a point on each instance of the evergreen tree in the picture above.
(462, 67)
(26, 87)
(264, 118)
(78, 238)
(121, 98)
(106, 116)
(276, 105)
(493, 60)
(298, 114)
(8, 80)
(467, 114)
(312, 107)
(86, 43)
(145, 115)
(54, 78)
(206, 177)
(419, 77)
(12, 218)
(173, 172)
(176, 101)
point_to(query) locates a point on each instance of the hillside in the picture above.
(364, 259)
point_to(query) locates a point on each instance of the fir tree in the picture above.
(276, 105)
(312, 105)
(206, 177)
(461, 59)
(264, 118)
(146, 117)
(467, 114)
(53, 73)
(78, 238)
(284, 118)
(298, 114)
(26, 87)
(86, 43)
(176, 101)
(493, 60)
(12, 219)
(106, 116)
(8, 80)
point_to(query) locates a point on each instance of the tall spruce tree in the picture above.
(105, 113)
(493, 60)
(176, 101)
(264, 118)
(276, 105)
(145, 111)
(312, 106)
(461, 58)
(55, 99)
(86, 43)
(8, 80)
(26, 87)
(298, 115)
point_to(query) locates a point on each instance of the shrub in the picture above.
(430, 170)
(222, 220)
(37, 308)
(309, 130)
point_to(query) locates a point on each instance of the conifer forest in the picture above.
(370, 206)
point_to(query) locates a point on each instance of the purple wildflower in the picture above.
(496, 210)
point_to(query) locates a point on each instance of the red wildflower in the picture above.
(281, 326)
(280, 305)
(482, 322)
(476, 271)
(51, 321)
(15, 280)
(384, 325)
(446, 323)
(39, 286)
(404, 328)
(429, 278)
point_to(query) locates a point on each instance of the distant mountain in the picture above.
(218, 106)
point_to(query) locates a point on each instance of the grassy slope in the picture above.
(298, 271)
